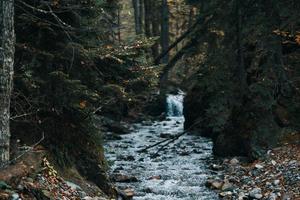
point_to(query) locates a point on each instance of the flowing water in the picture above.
(178, 172)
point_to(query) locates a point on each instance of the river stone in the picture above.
(129, 192)
(234, 161)
(216, 185)
(276, 182)
(124, 178)
(155, 177)
(227, 186)
(256, 193)
(15, 196)
(272, 196)
(259, 166)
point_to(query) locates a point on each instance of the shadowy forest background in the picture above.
(84, 66)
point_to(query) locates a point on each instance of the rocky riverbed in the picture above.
(178, 172)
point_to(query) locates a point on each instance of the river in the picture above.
(178, 172)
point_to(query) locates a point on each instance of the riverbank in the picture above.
(275, 177)
(34, 177)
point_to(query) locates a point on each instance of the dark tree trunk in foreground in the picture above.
(165, 30)
(7, 42)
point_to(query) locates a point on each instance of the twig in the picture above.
(25, 152)
(23, 115)
(169, 140)
(63, 25)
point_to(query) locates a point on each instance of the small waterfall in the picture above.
(175, 104)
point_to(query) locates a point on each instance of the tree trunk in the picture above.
(155, 27)
(7, 42)
(137, 16)
(165, 30)
(147, 12)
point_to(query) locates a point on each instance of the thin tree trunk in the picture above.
(165, 30)
(7, 42)
(155, 27)
(137, 16)
(142, 14)
(147, 12)
(119, 24)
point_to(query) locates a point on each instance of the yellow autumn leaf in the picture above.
(297, 39)
(82, 104)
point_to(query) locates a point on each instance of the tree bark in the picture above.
(7, 49)
(147, 12)
(137, 16)
(165, 30)
(155, 27)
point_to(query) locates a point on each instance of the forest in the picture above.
(149, 99)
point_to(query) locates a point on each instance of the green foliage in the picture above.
(248, 70)
(68, 70)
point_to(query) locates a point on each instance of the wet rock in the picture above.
(216, 185)
(129, 192)
(196, 151)
(155, 178)
(147, 123)
(216, 167)
(126, 158)
(112, 136)
(166, 135)
(148, 190)
(119, 168)
(124, 178)
(184, 153)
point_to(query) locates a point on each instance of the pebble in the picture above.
(155, 177)
(15, 196)
(272, 196)
(276, 182)
(129, 192)
(216, 185)
(256, 193)
(234, 161)
(227, 186)
(259, 166)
